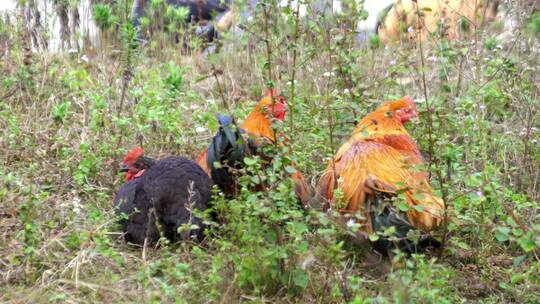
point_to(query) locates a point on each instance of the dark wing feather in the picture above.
(132, 206)
(226, 153)
(175, 186)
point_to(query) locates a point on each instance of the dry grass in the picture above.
(59, 167)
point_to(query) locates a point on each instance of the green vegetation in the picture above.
(66, 124)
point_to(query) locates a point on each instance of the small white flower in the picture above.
(393, 62)
(351, 223)
(72, 51)
(84, 58)
(200, 129)
(499, 47)
(482, 107)
(346, 91)
(410, 30)
(77, 206)
(290, 82)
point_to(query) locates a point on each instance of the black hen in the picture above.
(133, 207)
(162, 200)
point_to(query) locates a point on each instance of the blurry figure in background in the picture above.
(391, 20)
(56, 26)
(200, 12)
(376, 10)
(453, 19)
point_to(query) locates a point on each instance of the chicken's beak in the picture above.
(124, 168)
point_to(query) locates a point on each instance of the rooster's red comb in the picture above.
(133, 155)
(408, 100)
(403, 102)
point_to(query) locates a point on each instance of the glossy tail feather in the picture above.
(382, 215)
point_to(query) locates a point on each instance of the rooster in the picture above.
(230, 145)
(160, 196)
(375, 165)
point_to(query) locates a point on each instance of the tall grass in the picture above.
(66, 122)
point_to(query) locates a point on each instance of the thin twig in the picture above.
(295, 53)
(431, 141)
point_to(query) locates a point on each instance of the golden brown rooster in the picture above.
(378, 162)
(229, 147)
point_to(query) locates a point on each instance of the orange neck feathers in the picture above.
(258, 122)
(385, 125)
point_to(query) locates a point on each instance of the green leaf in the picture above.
(502, 234)
(518, 260)
(419, 208)
(419, 196)
(250, 161)
(59, 297)
(403, 206)
(256, 180)
(374, 41)
(300, 278)
(517, 232)
(517, 278)
(290, 170)
(526, 243)
(299, 227)
(364, 15)
(462, 245)
(373, 237)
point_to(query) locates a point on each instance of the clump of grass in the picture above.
(62, 127)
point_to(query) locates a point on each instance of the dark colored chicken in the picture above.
(228, 148)
(162, 200)
(231, 144)
(133, 207)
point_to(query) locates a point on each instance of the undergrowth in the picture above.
(66, 123)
